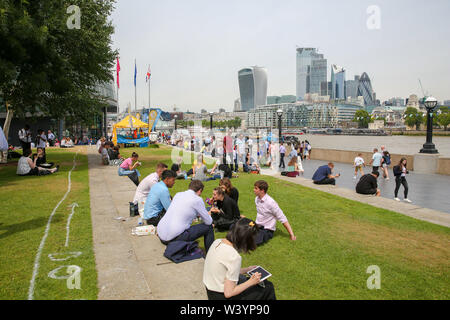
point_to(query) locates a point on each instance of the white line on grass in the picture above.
(73, 205)
(47, 229)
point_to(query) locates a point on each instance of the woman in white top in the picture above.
(28, 167)
(222, 274)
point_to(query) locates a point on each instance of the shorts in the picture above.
(384, 165)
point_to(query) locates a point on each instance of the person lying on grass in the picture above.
(267, 214)
(28, 167)
(223, 276)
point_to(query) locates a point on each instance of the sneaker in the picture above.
(57, 169)
(397, 199)
(354, 178)
(387, 178)
(407, 200)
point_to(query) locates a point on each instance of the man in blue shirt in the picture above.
(176, 225)
(323, 175)
(158, 199)
(377, 160)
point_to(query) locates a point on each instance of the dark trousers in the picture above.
(25, 146)
(155, 220)
(263, 236)
(282, 160)
(326, 181)
(134, 177)
(257, 292)
(375, 168)
(398, 181)
(195, 232)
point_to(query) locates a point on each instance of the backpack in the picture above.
(397, 171)
(180, 251)
(387, 159)
(226, 169)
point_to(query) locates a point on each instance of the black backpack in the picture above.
(227, 171)
(397, 171)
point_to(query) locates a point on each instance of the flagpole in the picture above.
(135, 90)
(149, 106)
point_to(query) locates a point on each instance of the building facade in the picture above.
(252, 87)
(337, 82)
(311, 71)
(365, 90)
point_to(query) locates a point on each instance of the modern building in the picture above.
(311, 72)
(337, 82)
(237, 105)
(281, 99)
(351, 88)
(252, 87)
(365, 90)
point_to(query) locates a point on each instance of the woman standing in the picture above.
(400, 172)
(127, 168)
(222, 274)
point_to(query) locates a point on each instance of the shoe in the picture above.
(354, 178)
(387, 178)
(407, 200)
(397, 199)
(57, 169)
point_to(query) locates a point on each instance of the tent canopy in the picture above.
(134, 123)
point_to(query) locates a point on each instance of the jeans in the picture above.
(132, 174)
(282, 160)
(326, 181)
(398, 181)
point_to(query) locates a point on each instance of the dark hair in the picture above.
(376, 173)
(135, 155)
(401, 160)
(168, 174)
(226, 183)
(175, 167)
(161, 166)
(27, 127)
(243, 235)
(196, 185)
(26, 152)
(262, 185)
(219, 191)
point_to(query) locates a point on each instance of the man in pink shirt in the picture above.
(267, 214)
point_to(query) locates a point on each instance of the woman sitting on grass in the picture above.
(127, 168)
(42, 159)
(231, 191)
(292, 168)
(28, 167)
(222, 274)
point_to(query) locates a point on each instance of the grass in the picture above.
(27, 203)
(337, 239)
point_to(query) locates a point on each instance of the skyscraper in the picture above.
(311, 71)
(351, 88)
(365, 90)
(337, 82)
(252, 87)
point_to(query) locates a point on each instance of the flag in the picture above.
(118, 70)
(147, 77)
(135, 72)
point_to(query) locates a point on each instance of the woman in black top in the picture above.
(42, 159)
(400, 173)
(231, 191)
(225, 212)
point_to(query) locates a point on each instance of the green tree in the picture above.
(363, 118)
(413, 117)
(443, 119)
(47, 67)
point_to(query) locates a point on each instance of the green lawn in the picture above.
(337, 239)
(27, 203)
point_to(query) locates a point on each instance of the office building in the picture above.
(252, 87)
(365, 90)
(337, 82)
(311, 72)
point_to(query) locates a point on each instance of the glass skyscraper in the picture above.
(365, 90)
(337, 82)
(311, 71)
(252, 87)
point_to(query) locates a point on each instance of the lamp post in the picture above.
(175, 117)
(428, 147)
(210, 120)
(280, 114)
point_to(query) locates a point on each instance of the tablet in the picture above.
(264, 273)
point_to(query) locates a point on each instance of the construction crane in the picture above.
(421, 87)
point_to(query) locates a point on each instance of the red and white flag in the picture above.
(147, 77)
(118, 70)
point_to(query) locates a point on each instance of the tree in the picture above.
(47, 67)
(363, 118)
(413, 117)
(443, 119)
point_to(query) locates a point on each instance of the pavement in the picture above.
(131, 267)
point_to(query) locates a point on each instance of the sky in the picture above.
(195, 48)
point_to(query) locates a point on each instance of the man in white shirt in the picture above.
(175, 225)
(41, 139)
(147, 183)
(51, 138)
(25, 138)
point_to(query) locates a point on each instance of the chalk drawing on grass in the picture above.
(73, 205)
(64, 256)
(44, 238)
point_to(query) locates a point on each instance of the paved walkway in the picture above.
(131, 267)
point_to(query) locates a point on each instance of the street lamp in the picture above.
(175, 117)
(428, 147)
(210, 120)
(280, 114)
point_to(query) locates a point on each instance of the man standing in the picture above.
(267, 214)
(282, 153)
(146, 184)
(158, 199)
(51, 138)
(376, 161)
(25, 138)
(41, 140)
(368, 184)
(323, 175)
(185, 207)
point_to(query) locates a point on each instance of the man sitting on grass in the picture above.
(323, 175)
(185, 207)
(158, 199)
(147, 183)
(267, 214)
(368, 184)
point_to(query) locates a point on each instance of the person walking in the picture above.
(282, 153)
(386, 163)
(400, 172)
(358, 163)
(376, 161)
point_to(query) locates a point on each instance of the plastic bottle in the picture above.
(140, 222)
(185, 176)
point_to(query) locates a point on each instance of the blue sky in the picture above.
(196, 47)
